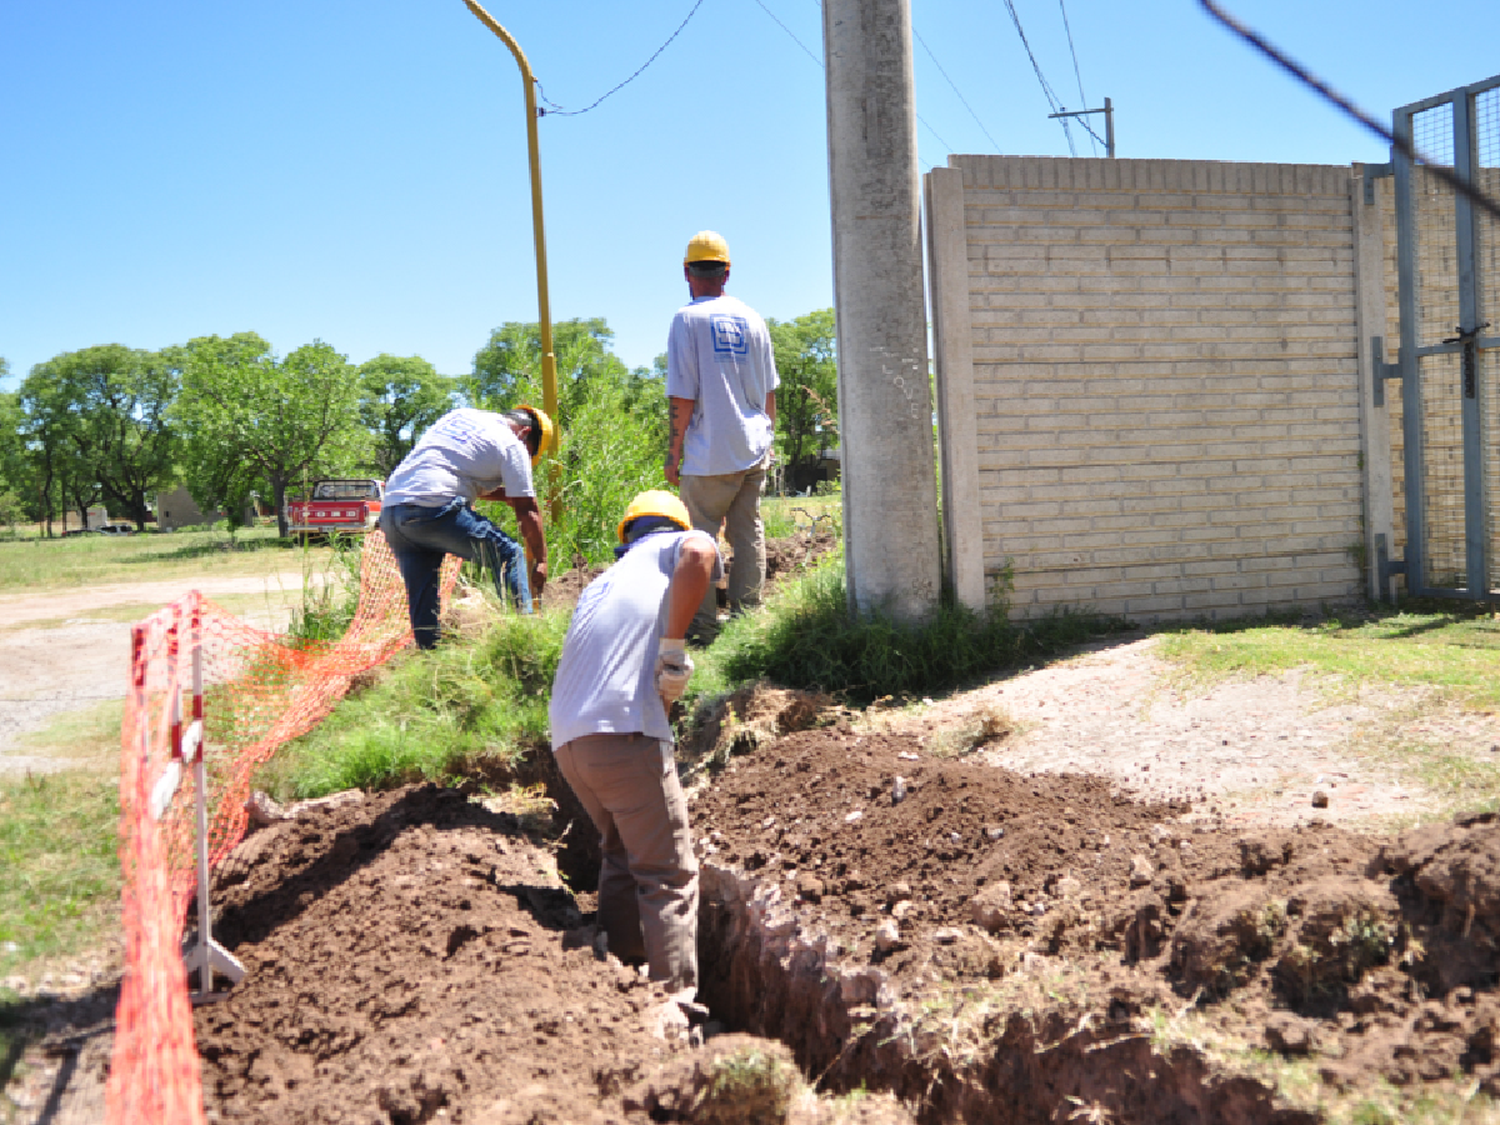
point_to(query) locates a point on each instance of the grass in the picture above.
(59, 873)
(786, 515)
(89, 737)
(1449, 648)
(466, 709)
(1444, 657)
(94, 560)
(809, 639)
(1298, 1083)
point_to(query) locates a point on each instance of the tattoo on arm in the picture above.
(680, 414)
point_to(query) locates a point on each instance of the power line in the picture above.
(1082, 97)
(559, 111)
(819, 61)
(1297, 70)
(961, 98)
(1052, 98)
(789, 31)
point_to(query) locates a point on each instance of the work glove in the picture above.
(674, 667)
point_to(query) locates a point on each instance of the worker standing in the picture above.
(624, 662)
(467, 455)
(721, 390)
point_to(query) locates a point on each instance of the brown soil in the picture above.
(984, 945)
(989, 936)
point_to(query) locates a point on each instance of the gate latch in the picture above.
(1467, 341)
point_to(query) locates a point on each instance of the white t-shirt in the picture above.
(604, 682)
(719, 355)
(464, 453)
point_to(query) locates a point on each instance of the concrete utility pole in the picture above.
(892, 553)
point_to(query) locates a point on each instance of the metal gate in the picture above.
(1448, 277)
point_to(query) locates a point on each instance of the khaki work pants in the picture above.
(648, 881)
(734, 500)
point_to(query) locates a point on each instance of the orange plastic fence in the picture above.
(259, 692)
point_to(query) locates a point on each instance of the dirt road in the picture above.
(69, 650)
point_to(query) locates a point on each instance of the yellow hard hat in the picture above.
(707, 246)
(548, 444)
(656, 502)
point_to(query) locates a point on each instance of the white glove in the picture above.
(674, 667)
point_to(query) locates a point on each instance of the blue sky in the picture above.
(357, 173)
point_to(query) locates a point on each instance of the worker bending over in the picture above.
(624, 662)
(467, 455)
(721, 392)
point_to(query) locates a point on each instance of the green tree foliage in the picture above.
(399, 398)
(807, 400)
(612, 425)
(15, 470)
(107, 407)
(61, 475)
(252, 420)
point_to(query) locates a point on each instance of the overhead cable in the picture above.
(1052, 98)
(1082, 97)
(1401, 144)
(961, 98)
(554, 108)
(819, 61)
(789, 31)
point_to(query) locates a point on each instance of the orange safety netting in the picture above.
(258, 692)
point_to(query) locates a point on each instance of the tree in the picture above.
(109, 405)
(251, 419)
(399, 399)
(612, 426)
(15, 471)
(807, 400)
(508, 369)
(60, 475)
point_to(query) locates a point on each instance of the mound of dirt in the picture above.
(979, 944)
(958, 934)
(412, 957)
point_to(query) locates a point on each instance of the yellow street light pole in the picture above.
(544, 311)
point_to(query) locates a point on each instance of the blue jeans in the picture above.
(419, 537)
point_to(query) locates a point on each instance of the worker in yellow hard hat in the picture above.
(721, 390)
(468, 455)
(624, 662)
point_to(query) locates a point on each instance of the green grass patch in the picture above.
(59, 872)
(784, 516)
(808, 638)
(463, 710)
(1454, 649)
(90, 736)
(93, 560)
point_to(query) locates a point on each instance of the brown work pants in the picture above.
(732, 499)
(648, 880)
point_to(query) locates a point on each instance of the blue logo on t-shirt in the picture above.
(731, 334)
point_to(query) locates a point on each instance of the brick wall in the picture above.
(1162, 365)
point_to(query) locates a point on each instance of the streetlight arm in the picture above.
(544, 311)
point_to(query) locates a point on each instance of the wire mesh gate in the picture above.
(1448, 267)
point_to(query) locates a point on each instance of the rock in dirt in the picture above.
(1141, 871)
(1291, 1035)
(991, 907)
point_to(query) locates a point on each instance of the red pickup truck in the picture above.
(348, 507)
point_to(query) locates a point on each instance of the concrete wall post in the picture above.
(885, 406)
(953, 354)
(1374, 421)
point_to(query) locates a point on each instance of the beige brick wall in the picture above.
(1164, 379)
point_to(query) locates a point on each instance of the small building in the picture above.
(178, 509)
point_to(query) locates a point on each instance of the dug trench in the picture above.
(929, 938)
